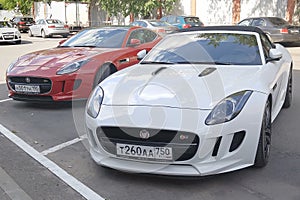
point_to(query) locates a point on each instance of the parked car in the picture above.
(276, 28)
(200, 102)
(71, 70)
(49, 28)
(8, 33)
(22, 23)
(182, 22)
(160, 27)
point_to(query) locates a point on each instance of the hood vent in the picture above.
(207, 71)
(158, 71)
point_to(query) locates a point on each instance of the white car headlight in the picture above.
(72, 67)
(94, 102)
(228, 108)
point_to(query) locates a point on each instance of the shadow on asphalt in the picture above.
(291, 44)
(12, 43)
(50, 105)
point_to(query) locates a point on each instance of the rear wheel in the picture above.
(289, 91)
(264, 144)
(43, 34)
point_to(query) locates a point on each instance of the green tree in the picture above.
(24, 6)
(135, 7)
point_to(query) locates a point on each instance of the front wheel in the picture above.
(104, 71)
(30, 33)
(264, 144)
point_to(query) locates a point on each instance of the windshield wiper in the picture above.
(157, 62)
(91, 46)
(206, 63)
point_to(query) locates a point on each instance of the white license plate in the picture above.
(27, 88)
(8, 36)
(146, 152)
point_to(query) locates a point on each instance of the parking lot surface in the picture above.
(56, 134)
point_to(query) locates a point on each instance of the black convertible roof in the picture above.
(224, 28)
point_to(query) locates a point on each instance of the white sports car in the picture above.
(201, 102)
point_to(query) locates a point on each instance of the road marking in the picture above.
(11, 188)
(4, 100)
(82, 189)
(63, 145)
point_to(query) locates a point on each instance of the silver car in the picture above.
(159, 27)
(48, 28)
(276, 28)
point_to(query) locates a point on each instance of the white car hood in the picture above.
(179, 86)
(5, 30)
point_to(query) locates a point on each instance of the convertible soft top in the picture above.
(222, 28)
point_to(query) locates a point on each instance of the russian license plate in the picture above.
(8, 36)
(144, 152)
(35, 89)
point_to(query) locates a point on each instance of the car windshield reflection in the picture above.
(101, 38)
(207, 48)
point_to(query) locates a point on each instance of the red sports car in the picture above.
(71, 70)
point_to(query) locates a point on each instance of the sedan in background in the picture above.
(22, 23)
(49, 28)
(201, 102)
(71, 70)
(276, 28)
(159, 27)
(182, 22)
(8, 33)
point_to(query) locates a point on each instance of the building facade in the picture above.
(220, 12)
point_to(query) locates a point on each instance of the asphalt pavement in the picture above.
(44, 155)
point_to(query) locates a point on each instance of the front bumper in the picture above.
(219, 151)
(58, 88)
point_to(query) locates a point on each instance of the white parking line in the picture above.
(11, 188)
(4, 100)
(63, 145)
(82, 189)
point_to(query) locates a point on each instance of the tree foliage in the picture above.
(136, 7)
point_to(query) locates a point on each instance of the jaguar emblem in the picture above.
(144, 134)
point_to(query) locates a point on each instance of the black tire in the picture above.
(43, 34)
(30, 33)
(65, 36)
(289, 91)
(264, 144)
(103, 72)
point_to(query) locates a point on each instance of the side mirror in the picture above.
(134, 42)
(60, 42)
(274, 55)
(141, 54)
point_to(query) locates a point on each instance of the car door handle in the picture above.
(124, 60)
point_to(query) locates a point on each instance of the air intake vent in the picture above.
(207, 71)
(237, 140)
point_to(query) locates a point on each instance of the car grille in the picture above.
(184, 144)
(44, 83)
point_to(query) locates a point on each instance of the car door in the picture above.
(278, 85)
(147, 39)
(35, 28)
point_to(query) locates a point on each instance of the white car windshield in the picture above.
(210, 48)
(5, 24)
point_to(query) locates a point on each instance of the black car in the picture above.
(276, 28)
(22, 23)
